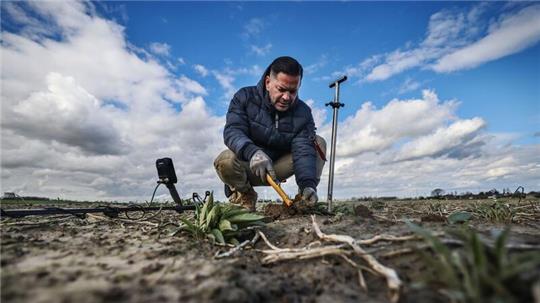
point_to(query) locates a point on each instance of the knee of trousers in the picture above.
(225, 161)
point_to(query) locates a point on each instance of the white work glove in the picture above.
(310, 195)
(260, 164)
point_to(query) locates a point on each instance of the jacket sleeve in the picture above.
(304, 155)
(236, 131)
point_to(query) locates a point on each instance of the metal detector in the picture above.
(166, 175)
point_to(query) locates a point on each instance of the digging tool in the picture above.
(335, 105)
(280, 191)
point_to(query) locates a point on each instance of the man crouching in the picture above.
(269, 130)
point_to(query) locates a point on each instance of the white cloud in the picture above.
(68, 114)
(453, 141)
(227, 76)
(512, 34)
(457, 40)
(319, 114)
(191, 86)
(74, 129)
(262, 50)
(372, 130)
(314, 67)
(201, 70)
(226, 82)
(408, 85)
(253, 28)
(498, 167)
(410, 147)
(162, 49)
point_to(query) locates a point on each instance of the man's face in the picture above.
(282, 89)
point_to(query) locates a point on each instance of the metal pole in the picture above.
(335, 105)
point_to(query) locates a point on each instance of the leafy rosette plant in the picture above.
(222, 223)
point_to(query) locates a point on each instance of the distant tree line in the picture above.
(441, 194)
(17, 197)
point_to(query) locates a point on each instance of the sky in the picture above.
(439, 94)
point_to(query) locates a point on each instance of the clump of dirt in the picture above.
(298, 208)
(433, 218)
(363, 211)
(276, 211)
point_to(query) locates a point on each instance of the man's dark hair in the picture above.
(286, 65)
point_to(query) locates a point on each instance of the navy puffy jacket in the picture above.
(253, 123)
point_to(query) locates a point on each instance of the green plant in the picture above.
(459, 217)
(221, 223)
(377, 205)
(342, 208)
(437, 208)
(479, 272)
(494, 212)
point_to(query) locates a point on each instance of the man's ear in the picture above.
(266, 82)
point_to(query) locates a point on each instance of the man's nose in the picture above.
(286, 96)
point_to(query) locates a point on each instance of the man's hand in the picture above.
(261, 165)
(310, 195)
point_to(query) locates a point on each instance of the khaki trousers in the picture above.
(239, 177)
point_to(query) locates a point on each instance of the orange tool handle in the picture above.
(280, 191)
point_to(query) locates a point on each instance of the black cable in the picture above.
(154, 193)
(69, 212)
(522, 193)
(136, 206)
(149, 204)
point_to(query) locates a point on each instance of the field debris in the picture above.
(314, 250)
(355, 254)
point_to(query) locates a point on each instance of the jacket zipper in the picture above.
(277, 121)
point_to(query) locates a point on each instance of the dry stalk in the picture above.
(392, 280)
(278, 254)
(229, 253)
(274, 256)
(361, 279)
(387, 238)
(123, 220)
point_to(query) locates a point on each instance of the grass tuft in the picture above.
(479, 272)
(221, 223)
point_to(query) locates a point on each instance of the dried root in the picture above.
(343, 250)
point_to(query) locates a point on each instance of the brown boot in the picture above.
(233, 197)
(247, 200)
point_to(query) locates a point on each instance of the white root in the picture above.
(392, 280)
(316, 249)
(240, 246)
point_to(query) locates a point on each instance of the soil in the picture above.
(68, 259)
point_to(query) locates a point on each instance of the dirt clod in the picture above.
(433, 218)
(363, 211)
